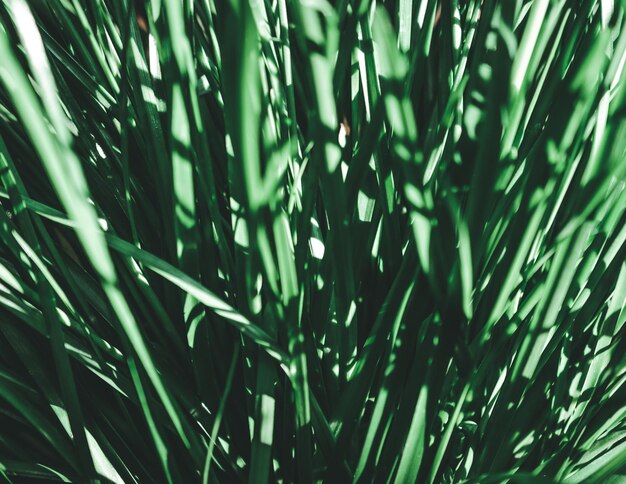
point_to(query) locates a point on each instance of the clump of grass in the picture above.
(298, 241)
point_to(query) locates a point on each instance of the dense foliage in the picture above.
(310, 240)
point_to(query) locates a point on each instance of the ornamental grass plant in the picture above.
(312, 241)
